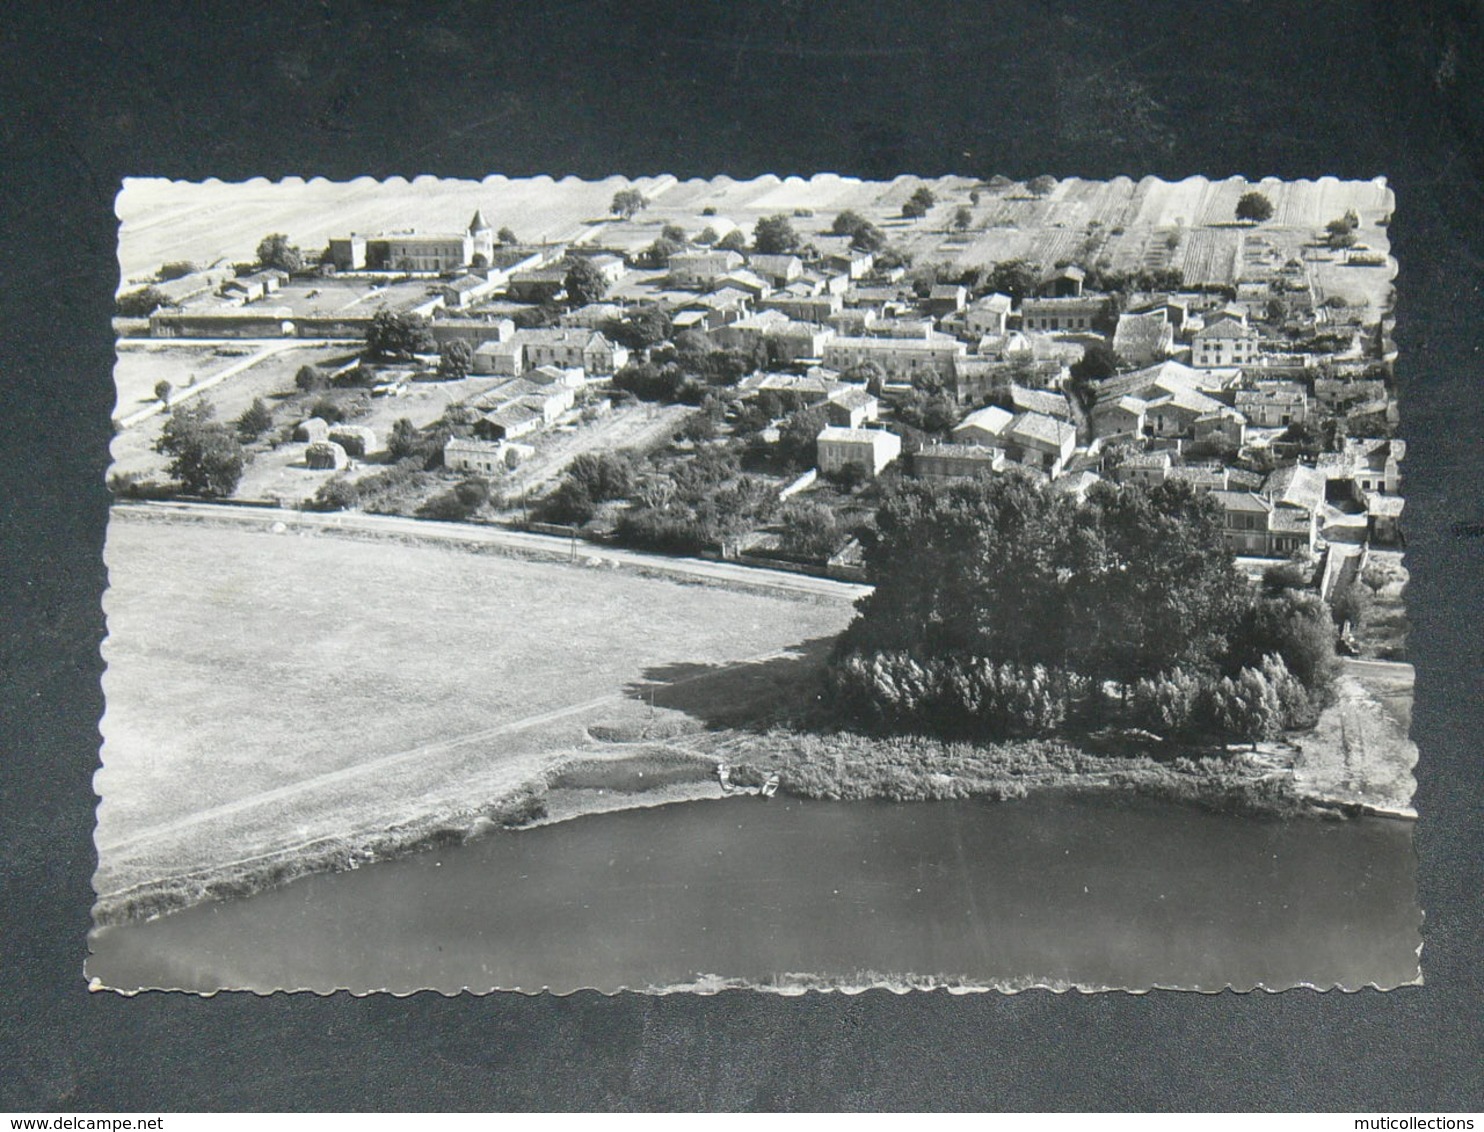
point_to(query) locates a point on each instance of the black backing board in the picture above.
(96, 93)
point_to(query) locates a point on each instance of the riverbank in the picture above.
(263, 725)
(671, 763)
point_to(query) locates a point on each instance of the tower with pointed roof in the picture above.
(484, 239)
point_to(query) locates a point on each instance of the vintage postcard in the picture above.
(789, 584)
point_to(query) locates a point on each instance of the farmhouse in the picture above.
(1147, 468)
(1226, 425)
(1041, 442)
(851, 407)
(508, 422)
(951, 461)
(1077, 313)
(946, 299)
(570, 347)
(499, 356)
(250, 288)
(1225, 342)
(1143, 339)
(867, 450)
(1252, 525)
(1045, 401)
(427, 252)
(1063, 282)
(750, 283)
(1175, 413)
(701, 269)
(1273, 404)
(475, 331)
(804, 308)
(537, 285)
(989, 315)
(897, 357)
(983, 427)
(1366, 465)
(466, 291)
(853, 264)
(479, 456)
(778, 270)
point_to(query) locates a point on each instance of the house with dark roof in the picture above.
(508, 422)
(1063, 282)
(1143, 339)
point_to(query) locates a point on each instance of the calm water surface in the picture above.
(1092, 892)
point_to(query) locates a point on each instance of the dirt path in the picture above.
(516, 771)
(520, 542)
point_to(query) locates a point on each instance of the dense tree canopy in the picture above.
(627, 203)
(640, 327)
(141, 303)
(775, 235)
(584, 283)
(276, 251)
(1013, 277)
(1255, 207)
(919, 202)
(397, 335)
(206, 456)
(1041, 186)
(1123, 586)
(456, 360)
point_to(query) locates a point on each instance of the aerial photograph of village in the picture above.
(801, 583)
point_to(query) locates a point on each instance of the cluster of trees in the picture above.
(775, 235)
(810, 530)
(1131, 585)
(640, 327)
(592, 478)
(141, 302)
(584, 283)
(959, 696)
(701, 503)
(917, 205)
(275, 251)
(864, 236)
(1340, 232)
(206, 456)
(397, 336)
(627, 203)
(688, 370)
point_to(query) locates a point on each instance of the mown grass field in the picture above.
(266, 691)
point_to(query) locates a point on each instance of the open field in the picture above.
(139, 366)
(255, 707)
(204, 222)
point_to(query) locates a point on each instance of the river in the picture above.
(1094, 892)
